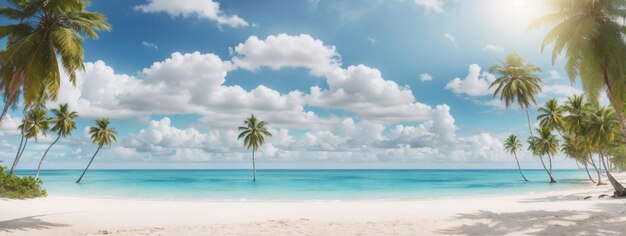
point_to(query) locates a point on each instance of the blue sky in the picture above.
(339, 81)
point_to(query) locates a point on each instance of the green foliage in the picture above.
(16, 187)
(512, 144)
(253, 133)
(517, 81)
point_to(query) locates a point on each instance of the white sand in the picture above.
(550, 213)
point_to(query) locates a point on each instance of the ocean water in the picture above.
(299, 185)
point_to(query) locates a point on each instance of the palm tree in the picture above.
(102, 135)
(571, 148)
(591, 35)
(64, 124)
(41, 33)
(36, 123)
(517, 83)
(253, 133)
(545, 144)
(577, 112)
(601, 131)
(551, 116)
(513, 145)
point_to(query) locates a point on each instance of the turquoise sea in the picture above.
(298, 185)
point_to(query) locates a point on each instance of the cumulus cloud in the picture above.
(426, 77)
(203, 9)
(279, 51)
(474, 84)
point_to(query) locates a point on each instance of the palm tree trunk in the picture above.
(44, 156)
(529, 126)
(550, 162)
(253, 167)
(85, 171)
(20, 153)
(544, 167)
(593, 163)
(520, 168)
(17, 155)
(620, 191)
(588, 175)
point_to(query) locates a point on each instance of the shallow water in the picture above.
(297, 185)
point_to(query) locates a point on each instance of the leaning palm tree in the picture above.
(102, 135)
(551, 116)
(572, 149)
(517, 82)
(590, 34)
(545, 144)
(35, 124)
(42, 32)
(253, 133)
(64, 124)
(513, 145)
(601, 131)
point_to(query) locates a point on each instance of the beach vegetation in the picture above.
(63, 123)
(16, 187)
(103, 135)
(253, 133)
(513, 145)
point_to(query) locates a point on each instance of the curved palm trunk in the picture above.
(620, 191)
(20, 153)
(593, 163)
(44, 156)
(529, 126)
(588, 175)
(520, 168)
(550, 163)
(253, 167)
(85, 171)
(17, 155)
(549, 173)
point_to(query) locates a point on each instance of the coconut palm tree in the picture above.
(253, 133)
(545, 143)
(41, 33)
(102, 135)
(577, 111)
(601, 131)
(64, 124)
(513, 145)
(35, 124)
(551, 116)
(571, 148)
(590, 34)
(517, 82)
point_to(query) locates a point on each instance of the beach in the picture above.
(564, 212)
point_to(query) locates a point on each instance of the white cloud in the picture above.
(150, 45)
(426, 77)
(204, 9)
(493, 48)
(559, 91)
(280, 51)
(10, 125)
(431, 5)
(474, 84)
(372, 40)
(554, 74)
(450, 38)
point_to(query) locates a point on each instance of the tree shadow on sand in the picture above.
(610, 221)
(28, 223)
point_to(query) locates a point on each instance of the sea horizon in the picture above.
(301, 184)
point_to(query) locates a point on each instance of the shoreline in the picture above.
(561, 212)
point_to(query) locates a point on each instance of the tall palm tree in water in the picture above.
(571, 148)
(102, 135)
(513, 145)
(253, 133)
(41, 33)
(545, 143)
(517, 82)
(34, 124)
(64, 124)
